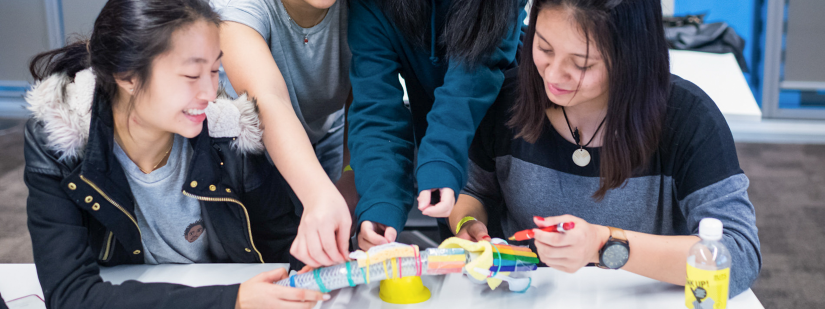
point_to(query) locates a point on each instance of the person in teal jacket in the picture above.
(453, 56)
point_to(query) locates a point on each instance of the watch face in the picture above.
(615, 256)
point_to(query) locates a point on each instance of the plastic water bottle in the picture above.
(708, 269)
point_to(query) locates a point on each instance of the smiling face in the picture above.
(182, 82)
(560, 53)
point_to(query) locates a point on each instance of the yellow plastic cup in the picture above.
(403, 291)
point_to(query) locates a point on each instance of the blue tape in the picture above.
(292, 281)
(499, 262)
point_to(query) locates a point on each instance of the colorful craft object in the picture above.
(484, 261)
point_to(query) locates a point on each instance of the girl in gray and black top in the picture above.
(653, 153)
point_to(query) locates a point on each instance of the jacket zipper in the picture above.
(94, 186)
(225, 199)
(108, 247)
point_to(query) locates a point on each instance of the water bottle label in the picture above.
(706, 289)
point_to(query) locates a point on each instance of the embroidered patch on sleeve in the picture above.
(194, 231)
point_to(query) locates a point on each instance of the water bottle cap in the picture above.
(710, 229)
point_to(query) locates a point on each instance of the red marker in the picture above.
(558, 228)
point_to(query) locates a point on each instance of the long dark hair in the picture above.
(473, 30)
(126, 38)
(630, 36)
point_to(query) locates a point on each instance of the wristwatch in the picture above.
(616, 251)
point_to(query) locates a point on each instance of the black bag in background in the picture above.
(691, 33)
(3, 303)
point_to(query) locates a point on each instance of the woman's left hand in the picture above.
(442, 208)
(573, 249)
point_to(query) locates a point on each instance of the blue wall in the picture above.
(748, 17)
(744, 16)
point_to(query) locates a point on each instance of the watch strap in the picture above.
(616, 234)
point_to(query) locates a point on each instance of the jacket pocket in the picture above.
(108, 247)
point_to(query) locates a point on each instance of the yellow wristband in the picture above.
(347, 169)
(460, 223)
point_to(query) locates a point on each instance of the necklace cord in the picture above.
(154, 168)
(575, 134)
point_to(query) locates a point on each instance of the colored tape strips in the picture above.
(511, 263)
(448, 258)
(439, 265)
(516, 248)
(516, 252)
(512, 268)
(349, 275)
(319, 282)
(444, 271)
(525, 259)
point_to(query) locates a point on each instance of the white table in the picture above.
(721, 78)
(588, 288)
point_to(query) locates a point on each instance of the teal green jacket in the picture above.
(381, 129)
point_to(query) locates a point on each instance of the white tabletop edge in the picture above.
(588, 288)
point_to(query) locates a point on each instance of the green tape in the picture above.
(526, 259)
(349, 276)
(317, 273)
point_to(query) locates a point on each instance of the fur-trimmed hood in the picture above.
(65, 109)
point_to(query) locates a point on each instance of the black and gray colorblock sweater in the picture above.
(694, 174)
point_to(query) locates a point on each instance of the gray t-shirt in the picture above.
(171, 226)
(313, 61)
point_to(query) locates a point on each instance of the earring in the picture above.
(130, 90)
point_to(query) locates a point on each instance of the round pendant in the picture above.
(581, 157)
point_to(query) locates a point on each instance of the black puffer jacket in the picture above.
(81, 210)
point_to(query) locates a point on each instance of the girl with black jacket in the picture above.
(123, 167)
